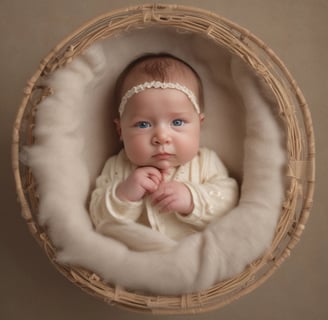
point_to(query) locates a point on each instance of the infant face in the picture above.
(160, 128)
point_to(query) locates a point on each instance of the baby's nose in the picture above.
(161, 137)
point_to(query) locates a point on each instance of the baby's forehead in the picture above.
(159, 103)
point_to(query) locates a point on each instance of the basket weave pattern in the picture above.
(293, 111)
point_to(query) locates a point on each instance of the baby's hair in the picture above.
(156, 66)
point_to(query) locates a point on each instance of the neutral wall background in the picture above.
(32, 289)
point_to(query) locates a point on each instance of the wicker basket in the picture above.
(300, 147)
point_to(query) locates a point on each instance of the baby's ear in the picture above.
(201, 118)
(118, 127)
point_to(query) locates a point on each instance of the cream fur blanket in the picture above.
(74, 137)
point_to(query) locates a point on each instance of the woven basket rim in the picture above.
(189, 303)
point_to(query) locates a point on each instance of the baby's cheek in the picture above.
(189, 149)
(134, 152)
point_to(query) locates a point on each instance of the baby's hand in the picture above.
(143, 180)
(173, 196)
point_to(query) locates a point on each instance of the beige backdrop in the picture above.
(30, 286)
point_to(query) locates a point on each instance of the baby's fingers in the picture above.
(153, 174)
(155, 178)
(166, 204)
(150, 186)
(162, 198)
(161, 193)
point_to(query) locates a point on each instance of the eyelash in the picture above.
(178, 122)
(146, 124)
(143, 124)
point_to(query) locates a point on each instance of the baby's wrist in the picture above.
(125, 194)
(191, 206)
(120, 194)
(188, 211)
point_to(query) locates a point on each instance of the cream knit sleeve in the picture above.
(215, 195)
(105, 206)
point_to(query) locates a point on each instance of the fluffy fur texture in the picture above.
(74, 137)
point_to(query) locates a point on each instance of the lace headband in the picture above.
(161, 85)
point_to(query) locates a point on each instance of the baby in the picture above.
(161, 178)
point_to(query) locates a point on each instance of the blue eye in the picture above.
(143, 124)
(178, 122)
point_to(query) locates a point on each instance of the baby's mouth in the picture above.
(162, 155)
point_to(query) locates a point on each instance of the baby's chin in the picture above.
(163, 166)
